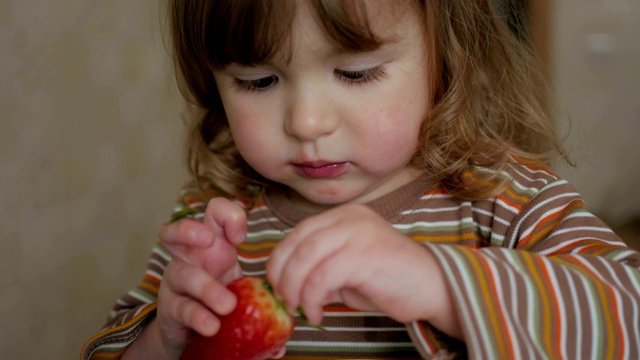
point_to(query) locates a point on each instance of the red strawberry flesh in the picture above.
(257, 328)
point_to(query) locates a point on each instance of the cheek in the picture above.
(256, 140)
(394, 129)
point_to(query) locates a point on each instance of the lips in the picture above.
(321, 169)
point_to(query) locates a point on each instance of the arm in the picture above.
(131, 312)
(564, 284)
(190, 263)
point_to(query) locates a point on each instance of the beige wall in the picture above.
(596, 55)
(89, 164)
(90, 141)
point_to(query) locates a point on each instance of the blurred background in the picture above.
(91, 147)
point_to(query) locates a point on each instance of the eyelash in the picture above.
(360, 76)
(356, 77)
(254, 85)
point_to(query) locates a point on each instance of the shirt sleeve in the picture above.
(133, 311)
(563, 286)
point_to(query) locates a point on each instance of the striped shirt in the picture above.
(532, 274)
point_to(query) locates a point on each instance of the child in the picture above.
(381, 163)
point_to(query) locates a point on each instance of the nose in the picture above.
(310, 116)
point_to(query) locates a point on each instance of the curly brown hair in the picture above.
(490, 100)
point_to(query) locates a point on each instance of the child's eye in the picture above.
(360, 76)
(257, 84)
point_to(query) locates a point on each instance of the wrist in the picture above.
(150, 345)
(441, 311)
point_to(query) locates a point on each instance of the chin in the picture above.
(327, 199)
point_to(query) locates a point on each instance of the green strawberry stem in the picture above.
(281, 304)
(180, 214)
(304, 319)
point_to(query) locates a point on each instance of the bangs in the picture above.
(250, 32)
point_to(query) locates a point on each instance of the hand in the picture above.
(193, 293)
(352, 255)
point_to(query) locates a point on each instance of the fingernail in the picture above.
(202, 236)
(225, 304)
(209, 325)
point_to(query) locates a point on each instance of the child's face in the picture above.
(333, 126)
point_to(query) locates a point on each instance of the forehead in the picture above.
(250, 34)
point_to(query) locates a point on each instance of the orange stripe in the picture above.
(446, 238)
(522, 199)
(555, 305)
(149, 287)
(495, 316)
(152, 278)
(509, 202)
(544, 299)
(261, 246)
(428, 338)
(144, 313)
(537, 231)
(565, 249)
(609, 319)
(509, 342)
(256, 255)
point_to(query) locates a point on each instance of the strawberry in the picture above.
(256, 329)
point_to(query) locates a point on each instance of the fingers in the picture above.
(194, 282)
(186, 232)
(280, 353)
(226, 219)
(282, 254)
(324, 284)
(191, 297)
(223, 219)
(303, 258)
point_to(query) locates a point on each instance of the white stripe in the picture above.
(576, 249)
(154, 274)
(623, 254)
(265, 233)
(577, 318)
(466, 318)
(351, 329)
(433, 210)
(261, 220)
(531, 171)
(533, 209)
(436, 196)
(426, 224)
(533, 342)
(492, 215)
(633, 277)
(254, 273)
(584, 213)
(526, 189)
(353, 314)
(158, 263)
(561, 304)
(246, 260)
(589, 293)
(160, 252)
(423, 343)
(621, 289)
(507, 206)
(339, 344)
(532, 314)
(530, 229)
(141, 296)
(501, 297)
(586, 228)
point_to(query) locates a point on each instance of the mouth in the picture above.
(320, 169)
